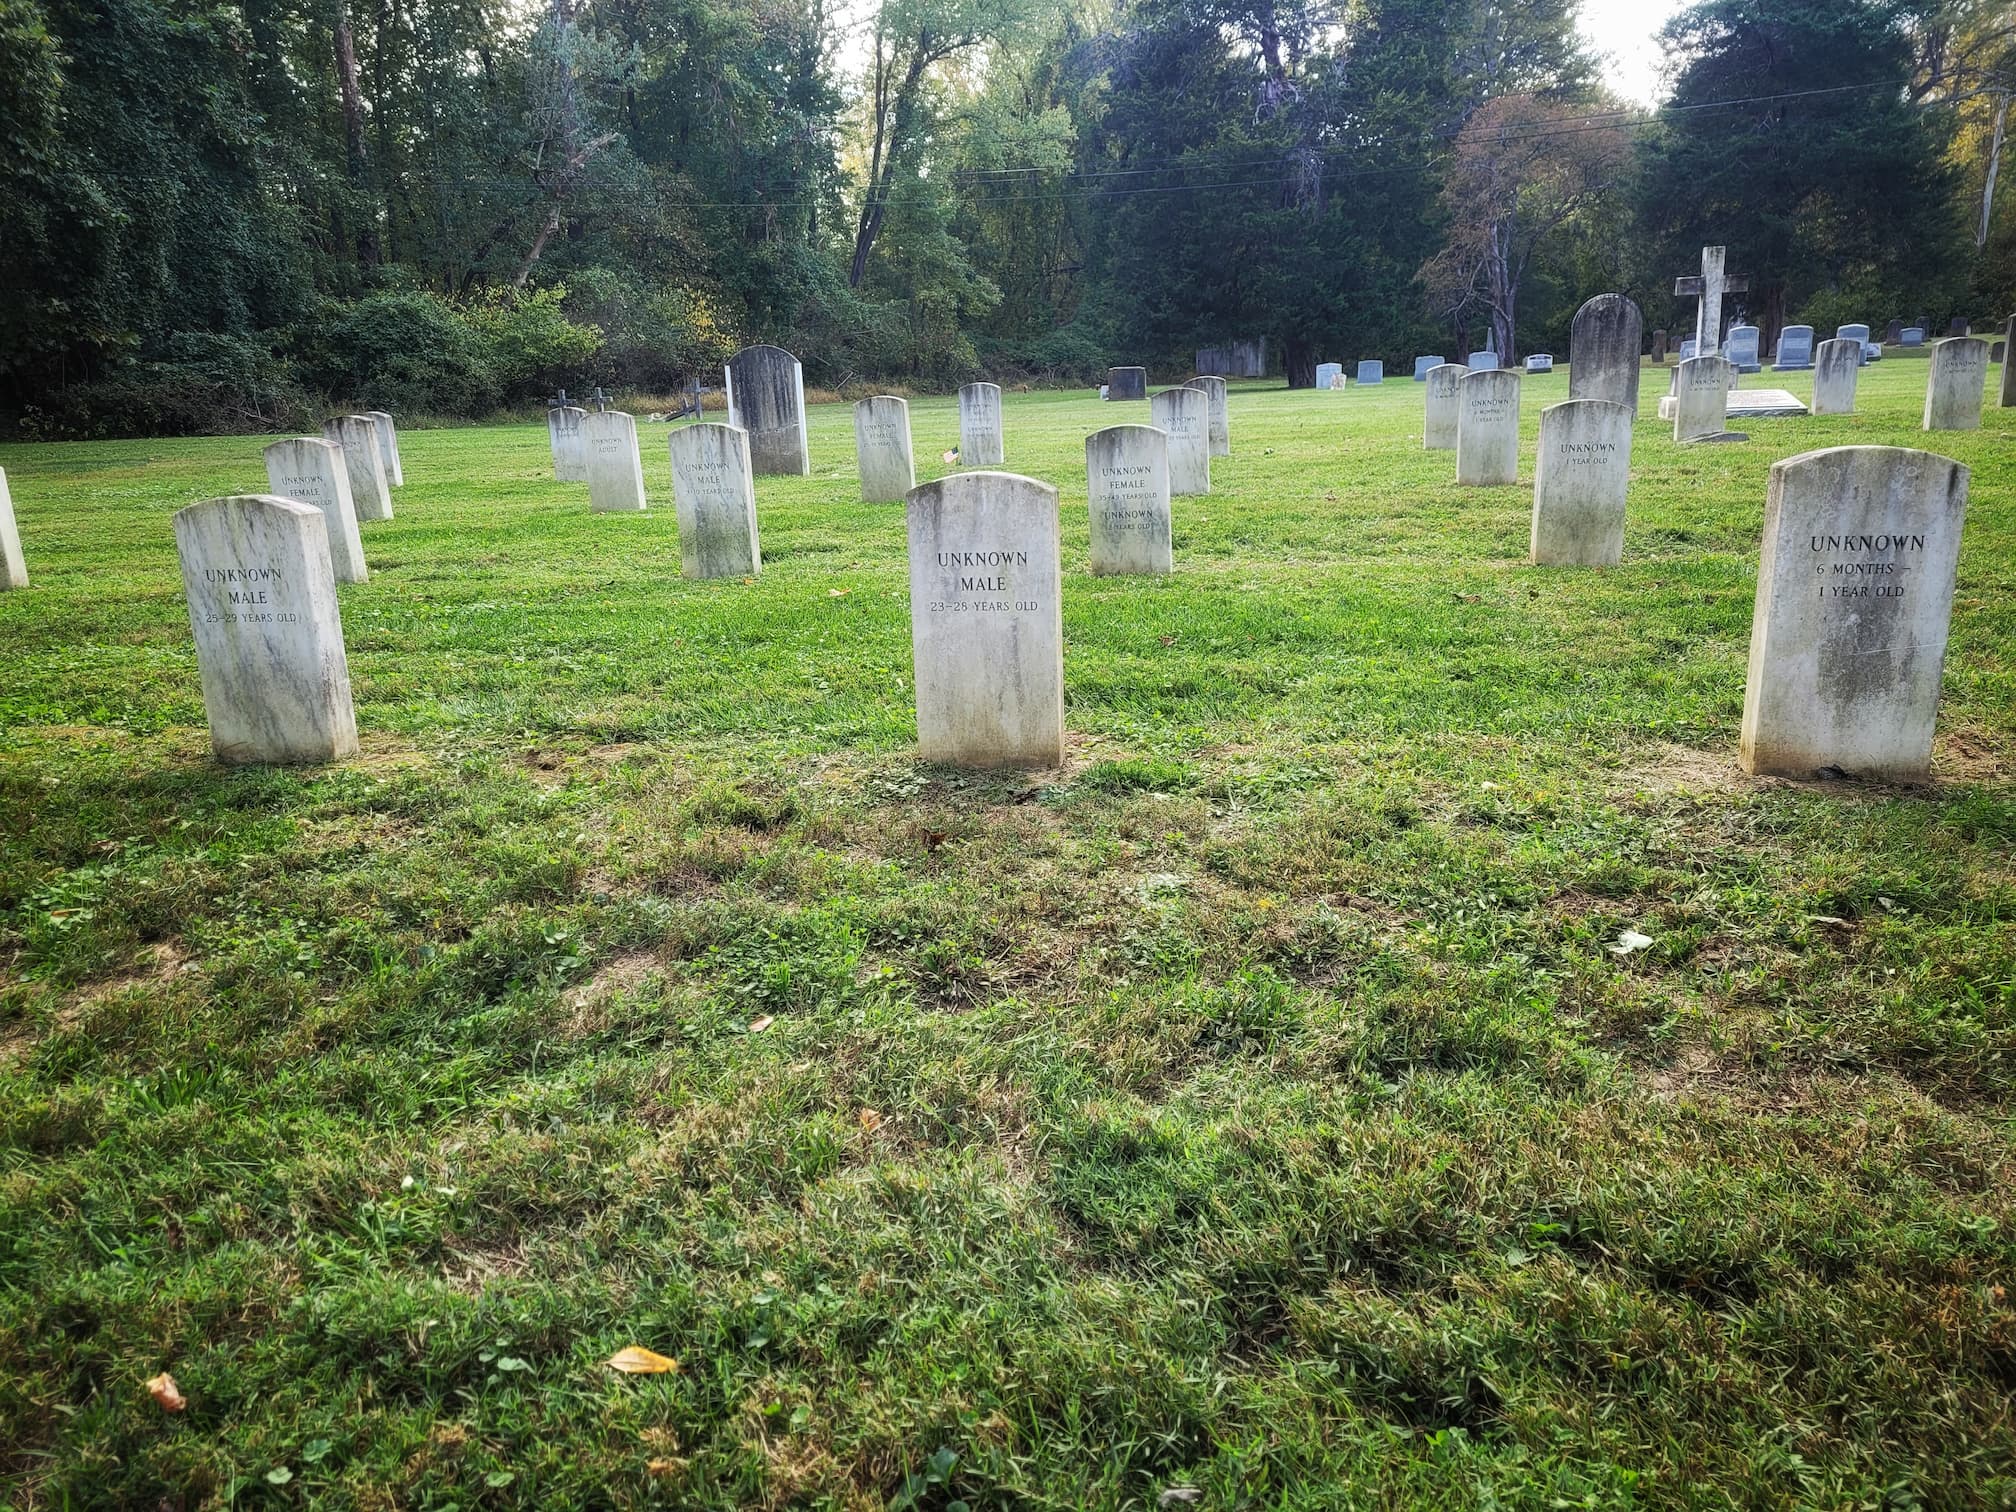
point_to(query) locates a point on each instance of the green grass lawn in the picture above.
(1253, 1105)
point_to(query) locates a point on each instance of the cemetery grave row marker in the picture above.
(358, 436)
(882, 449)
(1953, 388)
(980, 438)
(312, 471)
(1218, 413)
(1579, 483)
(1185, 413)
(714, 497)
(13, 565)
(1487, 427)
(615, 470)
(1127, 488)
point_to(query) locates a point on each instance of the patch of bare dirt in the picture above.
(588, 1005)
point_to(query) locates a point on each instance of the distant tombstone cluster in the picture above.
(1854, 596)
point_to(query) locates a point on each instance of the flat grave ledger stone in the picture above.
(1911, 336)
(1795, 348)
(1423, 364)
(1854, 600)
(2009, 364)
(1837, 367)
(1328, 374)
(13, 565)
(1127, 383)
(1372, 372)
(986, 620)
(615, 470)
(1217, 412)
(1953, 389)
(980, 441)
(882, 448)
(1186, 415)
(1701, 412)
(1857, 333)
(370, 496)
(388, 448)
(1742, 347)
(714, 496)
(1482, 362)
(570, 449)
(269, 639)
(1579, 483)
(1438, 425)
(1487, 427)
(1540, 362)
(312, 471)
(1762, 404)
(766, 398)
(1127, 488)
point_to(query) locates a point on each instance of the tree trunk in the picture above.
(1298, 355)
(353, 132)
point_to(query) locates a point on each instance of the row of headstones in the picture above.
(1330, 375)
(1848, 634)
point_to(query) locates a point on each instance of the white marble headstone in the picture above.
(1837, 367)
(1185, 413)
(1127, 488)
(1438, 426)
(388, 448)
(1954, 388)
(1487, 426)
(1854, 599)
(13, 566)
(309, 471)
(714, 495)
(1220, 413)
(1580, 480)
(986, 620)
(980, 443)
(570, 448)
(1701, 392)
(1604, 342)
(615, 470)
(882, 453)
(766, 398)
(370, 494)
(269, 640)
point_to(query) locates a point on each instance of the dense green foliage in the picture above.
(1254, 1105)
(228, 215)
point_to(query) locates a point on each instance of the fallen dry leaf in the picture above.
(759, 1025)
(164, 1391)
(870, 1119)
(637, 1360)
(838, 592)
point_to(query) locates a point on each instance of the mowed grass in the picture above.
(1253, 1106)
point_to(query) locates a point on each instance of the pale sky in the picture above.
(1625, 30)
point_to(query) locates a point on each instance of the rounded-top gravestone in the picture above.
(13, 566)
(570, 449)
(615, 469)
(1185, 413)
(310, 471)
(1580, 481)
(1438, 425)
(370, 494)
(1701, 387)
(1487, 427)
(1837, 367)
(882, 450)
(388, 448)
(980, 439)
(714, 496)
(1955, 385)
(1127, 493)
(1219, 413)
(766, 398)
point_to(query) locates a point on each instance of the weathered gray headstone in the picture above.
(1703, 394)
(1329, 375)
(615, 470)
(1421, 366)
(1127, 487)
(766, 398)
(1658, 347)
(1795, 348)
(1953, 391)
(1603, 345)
(980, 441)
(1438, 425)
(1858, 333)
(1579, 483)
(570, 449)
(13, 566)
(2009, 364)
(1483, 362)
(882, 451)
(1185, 414)
(714, 495)
(1895, 334)
(1373, 371)
(1911, 336)
(309, 471)
(370, 495)
(1837, 367)
(1219, 413)
(1742, 349)
(1127, 383)
(1957, 326)
(1243, 358)
(1689, 346)
(1854, 600)
(388, 448)
(269, 639)
(986, 620)
(1487, 427)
